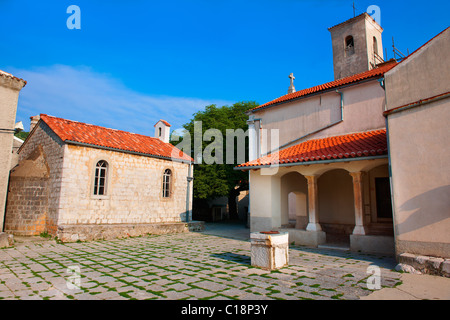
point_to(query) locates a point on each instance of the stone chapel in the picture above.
(78, 181)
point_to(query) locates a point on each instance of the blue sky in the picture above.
(135, 62)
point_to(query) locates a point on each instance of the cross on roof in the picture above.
(291, 76)
(291, 87)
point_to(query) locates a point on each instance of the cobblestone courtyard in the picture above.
(181, 266)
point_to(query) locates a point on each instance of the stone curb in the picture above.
(424, 264)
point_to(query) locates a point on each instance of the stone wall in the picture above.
(28, 206)
(33, 197)
(134, 189)
(89, 232)
(349, 62)
(424, 264)
(52, 187)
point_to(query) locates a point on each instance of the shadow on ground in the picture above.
(233, 257)
(237, 230)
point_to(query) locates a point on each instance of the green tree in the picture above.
(22, 135)
(217, 180)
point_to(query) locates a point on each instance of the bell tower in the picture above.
(357, 46)
(162, 130)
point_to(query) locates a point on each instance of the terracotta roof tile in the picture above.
(363, 144)
(379, 71)
(163, 121)
(96, 136)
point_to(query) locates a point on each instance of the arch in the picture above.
(336, 202)
(101, 178)
(349, 45)
(167, 184)
(375, 45)
(294, 197)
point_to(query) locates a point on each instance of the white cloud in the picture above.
(84, 95)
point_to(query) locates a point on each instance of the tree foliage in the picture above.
(216, 180)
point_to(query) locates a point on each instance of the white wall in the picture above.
(363, 111)
(9, 95)
(419, 149)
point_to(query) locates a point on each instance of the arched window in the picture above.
(349, 45)
(375, 46)
(101, 170)
(167, 180)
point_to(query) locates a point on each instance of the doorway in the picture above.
(383, 198)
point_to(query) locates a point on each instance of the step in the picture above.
(333, 246)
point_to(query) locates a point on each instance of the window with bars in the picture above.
(101, 170)
(167, 176)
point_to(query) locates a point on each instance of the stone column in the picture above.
(313, 209)
(359, 205)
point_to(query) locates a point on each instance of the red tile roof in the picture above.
(374, 73)
(363, 144)
(96, 136)
(163, 121)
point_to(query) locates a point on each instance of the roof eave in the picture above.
(316, 93)
(83, 144)
(311, 162)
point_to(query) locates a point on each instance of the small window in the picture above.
(167, 177)
(101, 170)
(375, 46)
(349, 45)
(159, 134)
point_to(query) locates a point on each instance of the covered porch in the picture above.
(337, 204)
(343, 202)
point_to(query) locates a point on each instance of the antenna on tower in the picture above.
(354, 9)
(397, 52)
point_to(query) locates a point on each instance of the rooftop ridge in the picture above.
(376, 72)
(85, 134)
(98, 126)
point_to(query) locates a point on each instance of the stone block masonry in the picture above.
(425, 264)
(52, 190)
(133, 184)
(187, 265)
(89, 232)
(33, 194)
(27, 207)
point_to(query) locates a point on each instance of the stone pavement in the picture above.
(181, 266)
(415, 287)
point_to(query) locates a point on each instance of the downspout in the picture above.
(189, 178)
(342, 104)
(321, 129)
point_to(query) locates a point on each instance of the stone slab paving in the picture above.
(182, 266)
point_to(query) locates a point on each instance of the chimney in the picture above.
(33, 121)
(162, 130)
